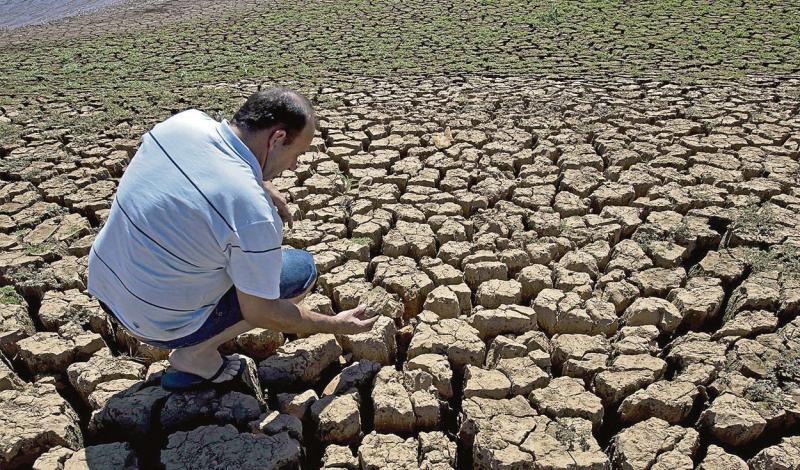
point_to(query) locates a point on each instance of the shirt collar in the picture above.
(241, 149)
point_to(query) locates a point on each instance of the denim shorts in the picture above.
(298, 274)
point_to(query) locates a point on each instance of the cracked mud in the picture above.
(581, 273)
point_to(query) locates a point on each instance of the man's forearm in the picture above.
(282, 315)
(298, 319)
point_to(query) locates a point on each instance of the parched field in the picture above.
(580, 225)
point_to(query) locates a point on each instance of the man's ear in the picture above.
(277, 137)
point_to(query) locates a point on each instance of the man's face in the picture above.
(282, 156)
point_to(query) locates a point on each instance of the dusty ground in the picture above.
(575, 270)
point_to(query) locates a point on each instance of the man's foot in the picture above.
(205, 363)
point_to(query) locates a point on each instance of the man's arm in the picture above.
(283, 315)
(279, 201)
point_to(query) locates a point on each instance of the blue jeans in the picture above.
(298, 273)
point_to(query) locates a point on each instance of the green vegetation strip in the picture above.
(144, 73)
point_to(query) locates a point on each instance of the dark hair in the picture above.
(276, 106)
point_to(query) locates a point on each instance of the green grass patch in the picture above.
(9, 296)
(141, 76)
(363, 241)
(40, 249)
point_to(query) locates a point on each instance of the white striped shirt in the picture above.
(189, 220)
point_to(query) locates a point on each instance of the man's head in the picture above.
(277, 125)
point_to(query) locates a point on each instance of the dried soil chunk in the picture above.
(477, 413)
(626, 216)
(272, 422)
(603, 316)
(302, 361)
(580, 262)
(453, 253)
(33, 420)
(559, 313)
(387, 451)
(757, 357)
(86, 376)
(627, 374)
(427, 409)
(223, 447)
(402, 277)
(565, 444)
(356, 375)
(748, 324)
(259, 343)
(653, 311)
(504, 347)
(394, 411)
(441, 273)
(671, 401)
(699, 302)
(696, 348)
(53, 459)
(533, 279)
(437, 366)
(377, 345)
(726, 265)
(497, 444)
(571, 281)
(9, 379)
(666, 254)
(105, 390)
(760, 291)
(436, 451)
(350, 271)
(717, 458)
(15, 325)
(188, 409)
(112, 456)
(337, 418)
(524, 374)
(410, 239)
(580, 356)
(637, 340)
(733, 420)
(494, 292)
(783, 456)
(513, 319)
(628, 256)
(337, 456)
(581, 181)
(375, 298)
(60, 308)
(52, 352)
(620, 293)
(452, 337)
(485, 383)
(658, 282)
(443, 302)
(654, 444)
(128, 415)
(565, 397)
(476, 273)
(296, 405)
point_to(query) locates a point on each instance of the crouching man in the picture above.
(190, 256)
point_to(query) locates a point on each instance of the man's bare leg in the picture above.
(204, 359)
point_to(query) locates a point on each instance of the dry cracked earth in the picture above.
(577, 274)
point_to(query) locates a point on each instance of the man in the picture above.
(190, 256)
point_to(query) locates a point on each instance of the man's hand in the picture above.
(350, 322)
(283, 315)
(280, 202)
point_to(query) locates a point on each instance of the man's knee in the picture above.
(299, 298)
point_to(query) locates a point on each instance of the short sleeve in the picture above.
(254, 259)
